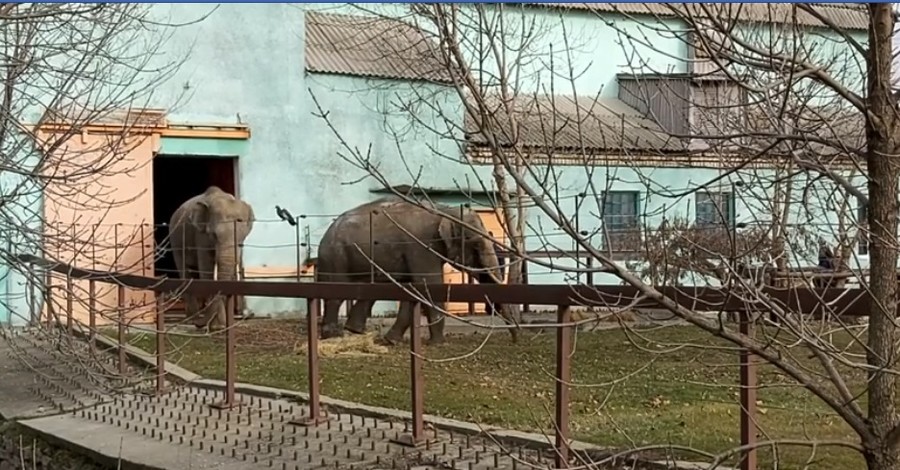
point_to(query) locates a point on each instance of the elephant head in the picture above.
(475, 253)
(469, 248)
(226, 221)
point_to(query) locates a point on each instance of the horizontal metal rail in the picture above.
(847, 302)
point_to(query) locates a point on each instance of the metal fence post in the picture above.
(467, 277)
(92, 291)
(564, 336)
(230, 359)
(315, 416)
(371, 251)
(416, 436)
(92, 312)
(526, 308)
(160, 346)
(121, 321)
(70, 299)
(748, 397)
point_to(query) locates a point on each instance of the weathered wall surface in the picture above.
(105, 227)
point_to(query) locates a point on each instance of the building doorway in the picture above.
(177, 178)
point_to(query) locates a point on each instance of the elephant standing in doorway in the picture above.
(409, 244)
(207, 233)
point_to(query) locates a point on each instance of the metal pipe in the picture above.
(564, 350)
(70, 300)
(160, 347)
(315, 416)
(371, 249)
(525, 306)
(748, 398)
(312, 354)
(92, 311)
(417, 380)
(230, 352)
(467, 277)
(143, 262)
(92, 290)
(299, 254)
(121, 321)
(237, 262)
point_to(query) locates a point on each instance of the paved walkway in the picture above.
(54, 389)
(72, 395)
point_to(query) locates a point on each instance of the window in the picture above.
(714, 209)
(862, 230)
(620, 220)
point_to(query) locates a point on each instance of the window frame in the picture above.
(730, 209)
(616, 238)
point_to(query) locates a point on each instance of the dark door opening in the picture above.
(175, 180)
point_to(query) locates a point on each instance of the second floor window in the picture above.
(714, 209)
(621, 210)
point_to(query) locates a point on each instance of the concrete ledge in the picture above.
(113, 448)
(146, 358)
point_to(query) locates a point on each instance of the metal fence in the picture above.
(848, 302)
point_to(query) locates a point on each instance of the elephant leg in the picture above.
(330, 327)
(216, 312)
(205, 266)
(358, 316)
(191, 302)
(401, 324)
(435, 325)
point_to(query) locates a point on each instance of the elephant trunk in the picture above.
(226, 263)
(510, 313)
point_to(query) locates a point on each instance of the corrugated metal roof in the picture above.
(843, 15)
(566, 124)
(369, 46)
(830, 132)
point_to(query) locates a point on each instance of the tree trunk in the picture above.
(881, 459)
(884, 177)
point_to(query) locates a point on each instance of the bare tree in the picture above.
(793, 108)
(76, 83)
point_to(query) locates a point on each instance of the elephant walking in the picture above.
(410, 244)
(207, 232)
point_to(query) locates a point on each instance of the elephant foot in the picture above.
(435, 341)
(388, 341)
(331, 331)
(355, 329)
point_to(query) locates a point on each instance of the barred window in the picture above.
(620, 220)
(714, 209)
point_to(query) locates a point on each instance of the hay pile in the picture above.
(349, 345)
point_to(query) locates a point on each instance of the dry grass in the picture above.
(628, 391)
(348, 346)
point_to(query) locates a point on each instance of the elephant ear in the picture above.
(200, 216)
(447, 229)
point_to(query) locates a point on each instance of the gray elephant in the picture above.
(397, 228)
(207, 231)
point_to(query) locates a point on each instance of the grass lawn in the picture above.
(626, 393)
